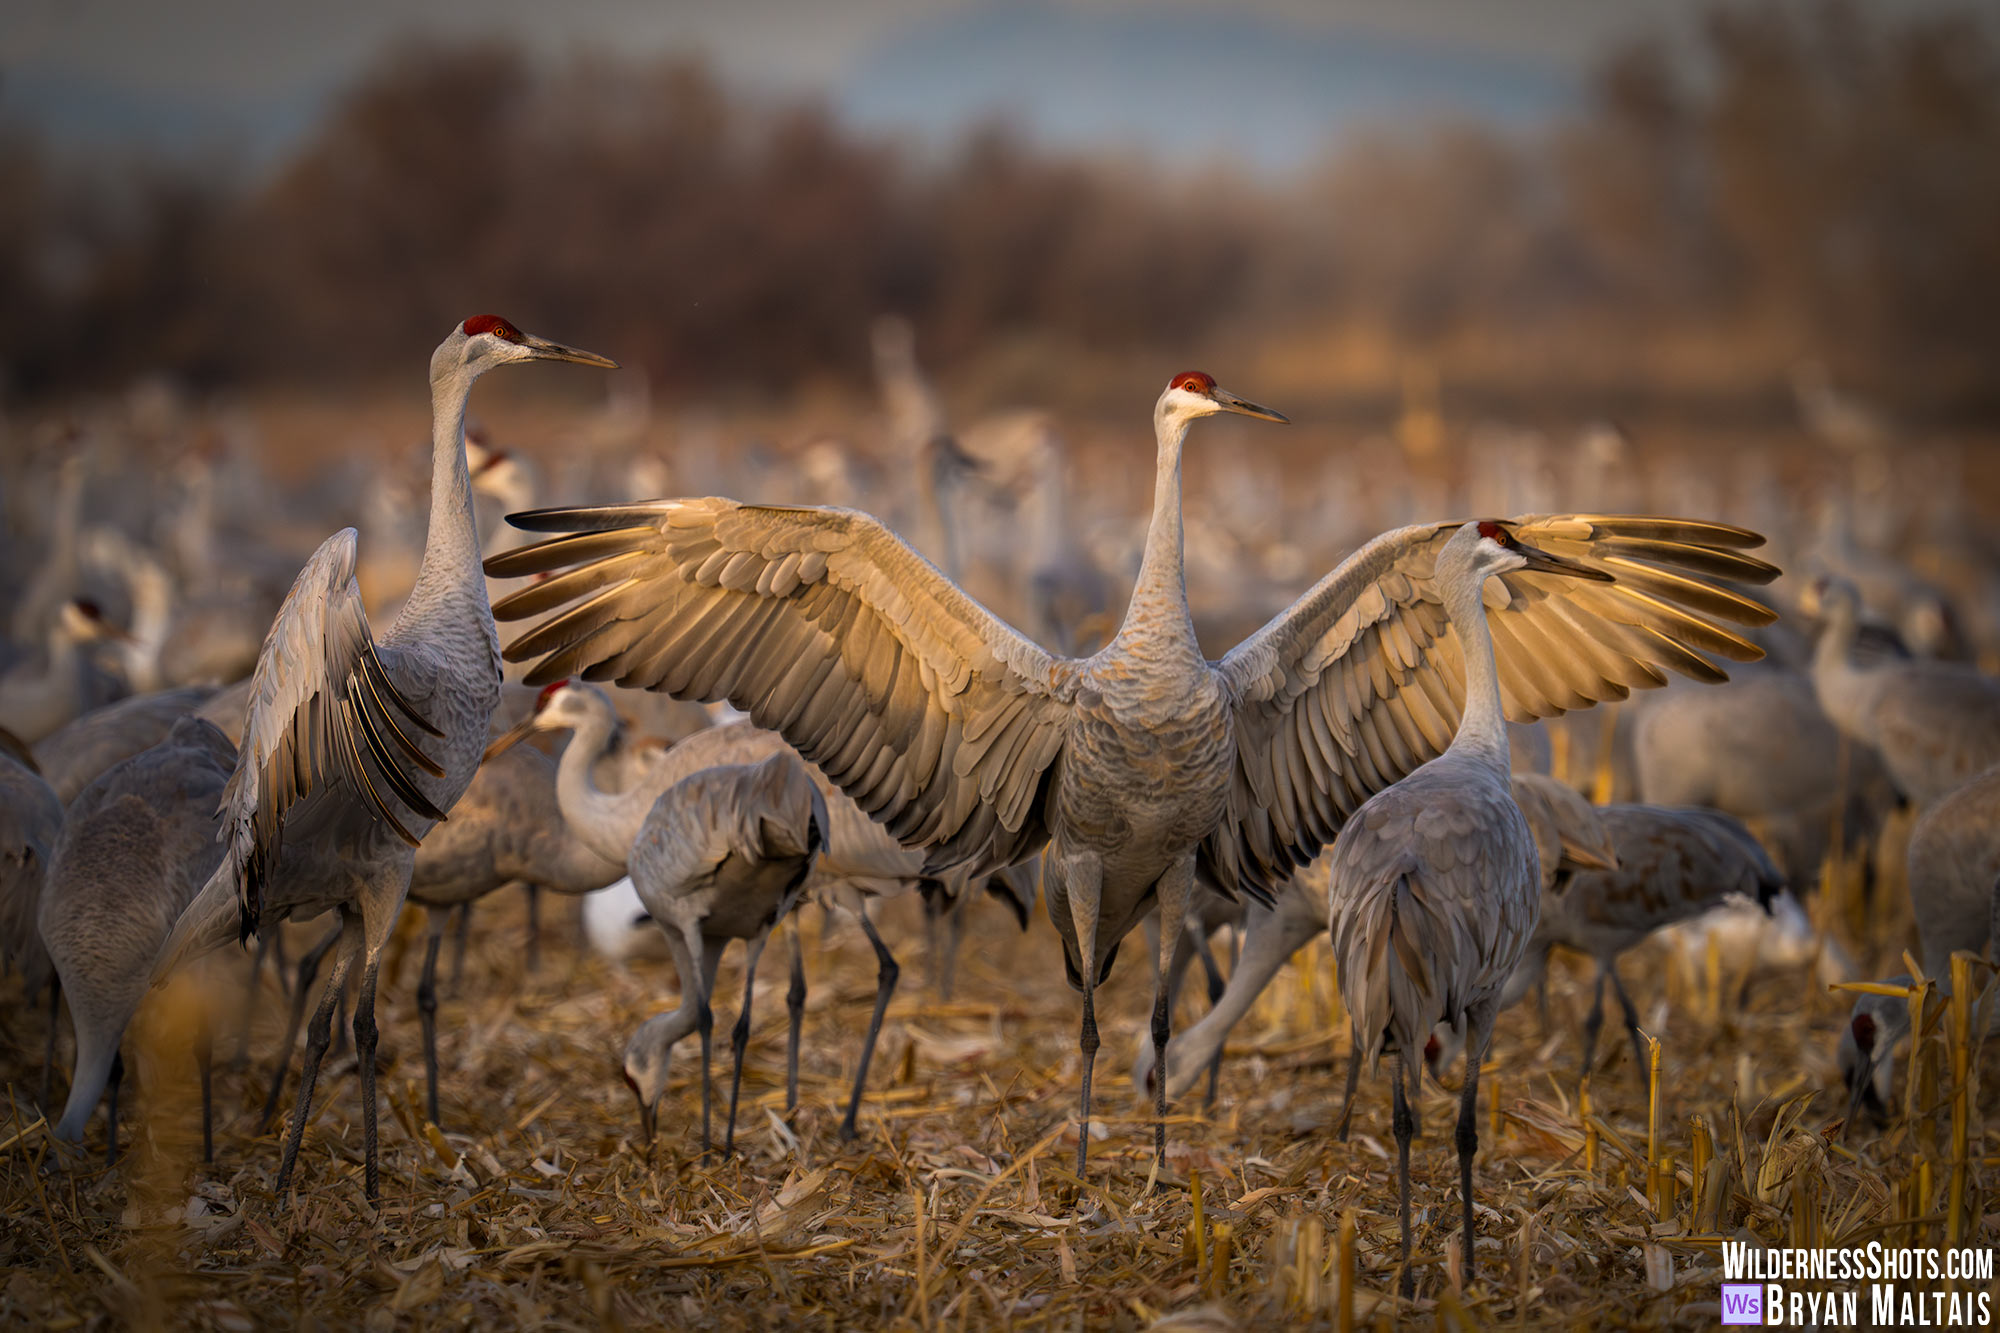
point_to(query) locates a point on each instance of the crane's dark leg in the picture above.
(1353, 1077)
(1592, 1023)
(1405, 1125)
(1173, 889)
(319, 1034)
(111, 1111)
(1479, 1032)
(49, 1044)
(702, 955)
(204, 1063)
(1639, 1055)
(461, 937)
(739, 1036)
(534, 926)
(427, 1006)
(241, 1059)
(886, 973)
(1075, 884)
(308, 969)
(381, 903)
(795, 1007)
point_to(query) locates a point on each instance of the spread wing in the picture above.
(1361, 680)
(941, 721)
(322, 711)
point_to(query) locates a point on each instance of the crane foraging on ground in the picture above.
(1433, 885)
(861, 863)
(723, 854)
(138, 845)
(1134, 765)
(332, 792)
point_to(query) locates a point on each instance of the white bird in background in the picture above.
(1433, 885)
(331, 792)
(966, 739)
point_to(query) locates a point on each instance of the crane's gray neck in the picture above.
(602, 820)
(1482, 730)
(1838, 682)
(450, 572)
(1159, 608)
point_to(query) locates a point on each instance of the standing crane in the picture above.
(1145, 760)
(1935, 724)
(331, 793)
(1432, 886)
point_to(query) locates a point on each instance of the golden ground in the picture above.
(957, 1209)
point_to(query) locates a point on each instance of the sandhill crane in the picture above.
(35, 701)
(505, 829)
(1954, 877)
(1673, 865)
(723, 854)
(331, 793)
(1567, 838)
(861, 862)
(78, 751)
(966, 739)
(138, 845)
(1935, 724)
(31, 821)
(1760, 748)
(1432, 886)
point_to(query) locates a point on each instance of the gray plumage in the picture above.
(81, 749)
(1433, 884)
(1935, 724)
(1760, 748)
(861, 861)
(139, 843)
(31, 822)
(1672, 865)
(353, 748)
(1954, 878)
(1567, 838)
(723, 855)
(36, 699)
(966, 739)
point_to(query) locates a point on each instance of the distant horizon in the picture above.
(1270, 85)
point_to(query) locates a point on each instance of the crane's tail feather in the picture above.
(208, 923)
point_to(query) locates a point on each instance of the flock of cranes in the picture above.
(1363, 764)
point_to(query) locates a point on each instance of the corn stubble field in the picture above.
(537, 1205)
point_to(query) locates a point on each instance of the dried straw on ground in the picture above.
(535, 1206)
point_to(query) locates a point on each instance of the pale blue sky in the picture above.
(1266, 80)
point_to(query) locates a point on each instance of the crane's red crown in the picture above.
(1864, 1031)
(549, 691)
(494, 325)
(1494, 532)
(1194, 381)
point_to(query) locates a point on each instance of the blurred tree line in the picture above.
(1802, 181)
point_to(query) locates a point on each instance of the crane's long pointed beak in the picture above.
(1229, 402)
(555, 351)
(1553, 564)
(513, 737)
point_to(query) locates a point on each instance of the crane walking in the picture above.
(1145, 760)
(331, 793)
